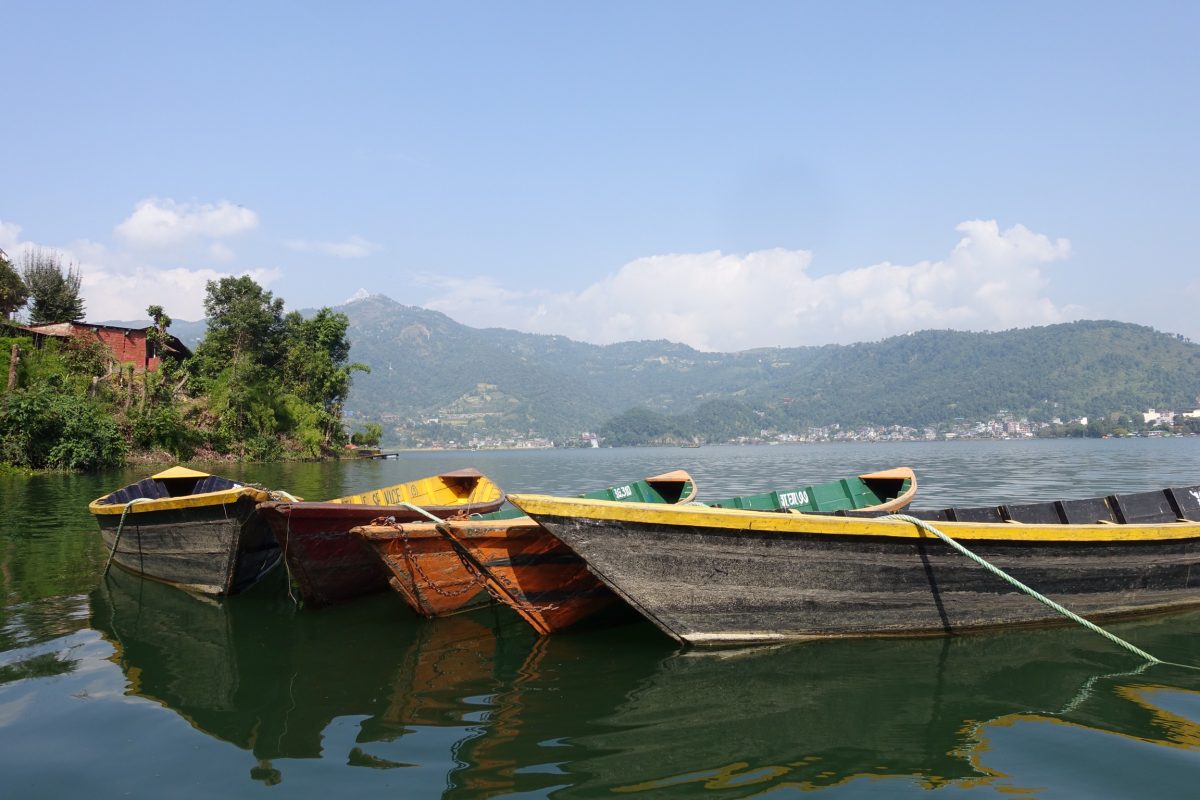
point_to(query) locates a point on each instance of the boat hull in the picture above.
(712, 583)
(461, 564)
(532, 572)
(444, 568)
(326, 563)
(220, 548)
(424, 567)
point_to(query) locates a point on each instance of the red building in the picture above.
(127, 345)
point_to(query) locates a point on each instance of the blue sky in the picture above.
(729, 175)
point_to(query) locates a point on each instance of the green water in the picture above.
(118, 687)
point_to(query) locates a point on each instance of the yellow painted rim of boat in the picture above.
(820, 525)
(224, 497)
(425, 491)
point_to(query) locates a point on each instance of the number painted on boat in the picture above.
(621, 492)
(789, 499)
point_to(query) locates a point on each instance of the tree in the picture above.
(369, 436)
(238, 361)
(54, 294)
(157, 335)
(14, 294)
(315, 368)
(245, 326)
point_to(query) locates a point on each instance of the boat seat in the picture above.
(927, 514)
(213, 483)
(147, 488)
(1143, 507)
(1033, 513)
(980, 514)
(1186, 502)
(1086, 512)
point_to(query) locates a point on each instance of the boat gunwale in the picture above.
(487, 489)
(383, 533)
(183, 501)
(822, 525)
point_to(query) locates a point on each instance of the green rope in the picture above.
(120, 525)
(1071, 615)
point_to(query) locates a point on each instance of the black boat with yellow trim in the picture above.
(190, 529)
(710, 576)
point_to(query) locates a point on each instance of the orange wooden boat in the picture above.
(444, 568)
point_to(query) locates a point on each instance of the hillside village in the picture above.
(1003, 425)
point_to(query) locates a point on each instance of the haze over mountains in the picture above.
(427, 368)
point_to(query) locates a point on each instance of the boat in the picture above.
(546, 583)
(189, 529)
(870, 493)
(447, 567)
(709, 576)
(330, 566)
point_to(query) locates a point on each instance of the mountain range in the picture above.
(427, 369)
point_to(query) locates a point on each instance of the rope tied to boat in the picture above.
(476, 579)
(1041, 598)
(120, 527)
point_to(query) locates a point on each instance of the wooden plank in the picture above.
(1142, 507)
(1033, 513)
(977, 514)
(1086, 512)
(1186, 502)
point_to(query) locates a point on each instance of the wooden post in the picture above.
(13, 360)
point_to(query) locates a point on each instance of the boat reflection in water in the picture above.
(923, 713)
(256, 673)
(919, 713)
(477, 706)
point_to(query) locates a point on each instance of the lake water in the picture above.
(118, 687)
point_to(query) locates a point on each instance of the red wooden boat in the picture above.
(328, 565)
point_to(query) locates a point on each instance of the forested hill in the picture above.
(425, 366)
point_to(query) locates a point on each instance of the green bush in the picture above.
(165, 429)
(47, 428)
(90, 439)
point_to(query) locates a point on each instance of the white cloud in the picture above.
(10, 236)
(162, 222)
(991, 280)
(119, 285)
(354, 247)
(125, 293)
(221, 252)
